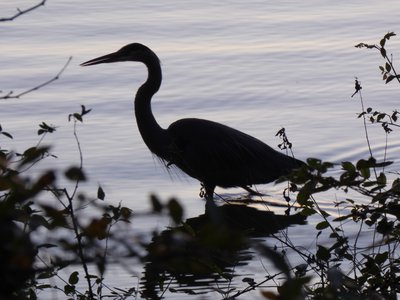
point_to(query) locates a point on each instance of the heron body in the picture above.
(215, 154)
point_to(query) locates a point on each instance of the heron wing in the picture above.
(217, 154)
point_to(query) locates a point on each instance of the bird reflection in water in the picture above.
(206, 251)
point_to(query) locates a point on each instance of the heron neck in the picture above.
(153, 135)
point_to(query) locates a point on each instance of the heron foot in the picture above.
(207, 191)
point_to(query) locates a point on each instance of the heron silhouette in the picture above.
(213, 153)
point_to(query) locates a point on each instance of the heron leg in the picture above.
(211, 209)
(207, 191)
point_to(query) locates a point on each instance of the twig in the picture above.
(75, 226)
(56, 274)
(74, 219)
(358, 91)
(253, 287)
(10, 95)
(318, 209)
(22, 12)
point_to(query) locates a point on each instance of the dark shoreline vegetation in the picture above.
(45, 229)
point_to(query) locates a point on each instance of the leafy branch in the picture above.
(77, 175)
(388, 71)
(385, 119)
(358, 89)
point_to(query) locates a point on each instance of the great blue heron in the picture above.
(213, 153)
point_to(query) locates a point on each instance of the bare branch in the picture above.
(22, 12)
(10, 95)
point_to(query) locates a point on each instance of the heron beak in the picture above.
(108, 58)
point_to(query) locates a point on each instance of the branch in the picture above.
(10, 94)
(22, 12)
(388, 68)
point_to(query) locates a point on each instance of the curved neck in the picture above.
(153, 135)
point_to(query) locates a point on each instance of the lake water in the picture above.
(254, 65)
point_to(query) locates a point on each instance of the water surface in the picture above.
(252, 65)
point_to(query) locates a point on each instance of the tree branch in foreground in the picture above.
(10, 95)
(22, 12)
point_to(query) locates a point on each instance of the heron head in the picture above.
(130, 52)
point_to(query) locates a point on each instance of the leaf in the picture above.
(305, 192)
(381, 179)
(322, 225)
(380, 258)
(175, 211)
(390, 78)
(46, 274)
(126, 213)
(383, 164)
(250, 281)
(84, 110)
(365, 173)
(292, 288)
(324, 213)
(47, 128)
(323, 253)
(100, 193)
(348, 166)
(388, 67)
(69, 289)
(156, 204)
(307, 211)
(363, 163)
(75, 173)
(383, 52)
(46, 246)
(380, 116)
(98, 228)
(33, 153)
(73, 278)
(396, 184)
(78, 117)
(363, 45)
(342, 218)
(389, 35)
(276, 258)
(37, 220)
(6, 134)
(270, 295)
